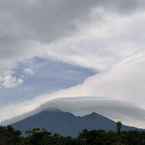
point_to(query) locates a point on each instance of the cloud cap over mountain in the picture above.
(98, 46)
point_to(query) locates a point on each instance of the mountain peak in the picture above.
(94, 114)
(65, 123)
(53, 110)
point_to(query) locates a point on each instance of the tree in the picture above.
(118, 127)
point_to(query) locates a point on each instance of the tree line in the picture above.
(36, 136)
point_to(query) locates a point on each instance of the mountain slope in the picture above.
(66, 123)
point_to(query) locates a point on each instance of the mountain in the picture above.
(66, 123)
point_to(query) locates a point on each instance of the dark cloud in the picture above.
(49, 20)
(46, 21)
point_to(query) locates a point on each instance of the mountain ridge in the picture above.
(66, 123)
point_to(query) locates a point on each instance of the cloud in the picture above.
(123, 111)
(48, 76)
(114, 109)
(28, 25)
(28, 71)
(9, 80)
(105, 36)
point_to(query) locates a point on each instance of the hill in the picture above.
(65, 123)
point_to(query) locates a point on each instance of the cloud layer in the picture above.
(82, 48)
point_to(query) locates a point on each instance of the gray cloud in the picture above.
(116, 34)
(24, 23)
(49, 20)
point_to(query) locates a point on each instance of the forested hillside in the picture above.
(36, 136)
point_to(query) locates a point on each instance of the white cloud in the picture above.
(9, 80)
(29, 71)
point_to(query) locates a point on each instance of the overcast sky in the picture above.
(90, 53)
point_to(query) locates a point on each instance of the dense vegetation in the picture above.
(9, 136)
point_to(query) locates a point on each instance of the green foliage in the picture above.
(36, 136)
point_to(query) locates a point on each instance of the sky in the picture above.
(84, 53)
